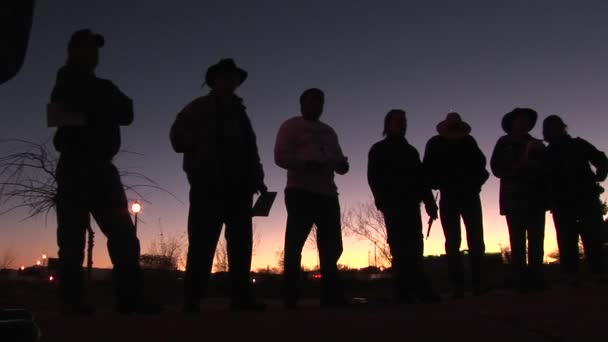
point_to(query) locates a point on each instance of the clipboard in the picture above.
(57, 116)
(264, 203)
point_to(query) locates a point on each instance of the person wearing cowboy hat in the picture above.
(398, 183)
(457, 168)
(575, 196)
(517, 160)
(88, 182)
(223, 168)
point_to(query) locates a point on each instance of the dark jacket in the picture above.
(455, 165)
(219, 145)
(519, 165)
(395, 175)
(571, 180)
(105, 109)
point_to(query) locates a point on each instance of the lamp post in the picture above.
(136, 208)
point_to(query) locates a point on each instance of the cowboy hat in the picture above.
(453, 125)
(224, 66)
(530, 114)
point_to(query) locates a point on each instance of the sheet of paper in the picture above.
(264, 203)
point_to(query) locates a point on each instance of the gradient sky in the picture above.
(481, 58)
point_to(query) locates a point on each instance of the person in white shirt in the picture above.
(309, 150)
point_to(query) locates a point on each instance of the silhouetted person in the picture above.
(398, 183)
(309, 150)
(575, 195)
(223, 168)
(457, 168)
(518, 161)
(88, 182)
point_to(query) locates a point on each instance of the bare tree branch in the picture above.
(220, 261)
(7, 258)
(167, 248)
(366, 223)
(28, 181)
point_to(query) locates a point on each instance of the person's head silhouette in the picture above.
(554, 128)
(225, 77)
(312, 102)
(83, 49)
(395, 124)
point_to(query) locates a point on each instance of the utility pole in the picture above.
(375, 255)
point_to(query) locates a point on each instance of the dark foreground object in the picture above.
(17, 325)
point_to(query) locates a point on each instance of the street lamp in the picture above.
(136, 208)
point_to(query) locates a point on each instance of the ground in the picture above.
(563, 313)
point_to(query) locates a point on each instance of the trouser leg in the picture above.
(450, 221)
(536, 239)
(239, 240)
(473, 220)
(591, 229)
(204, 228)
(567, 240)
(404, 228)
(395, 225)
(110, 210)
(299, 224)
(517, 238)
(329, 243)
(72, 222)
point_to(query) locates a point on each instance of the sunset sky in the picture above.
(480, 58)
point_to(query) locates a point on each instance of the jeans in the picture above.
(305, 209)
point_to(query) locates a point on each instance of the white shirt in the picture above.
(299, 141)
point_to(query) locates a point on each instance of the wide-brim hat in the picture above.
(86, 38)
(453, 125)
(530, 114)
(225, 65)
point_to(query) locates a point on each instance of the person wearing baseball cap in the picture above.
(87, 181)
(223, 167)
(575, 196)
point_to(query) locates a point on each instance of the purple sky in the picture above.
(481, 58)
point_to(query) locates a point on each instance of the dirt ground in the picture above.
(560, 314)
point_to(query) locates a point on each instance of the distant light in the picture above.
(51, 278)
(381, 269)
(38, 263)
(136, 207)
(253, 280)
(316, 276)
(43, 256)
(22, 268)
